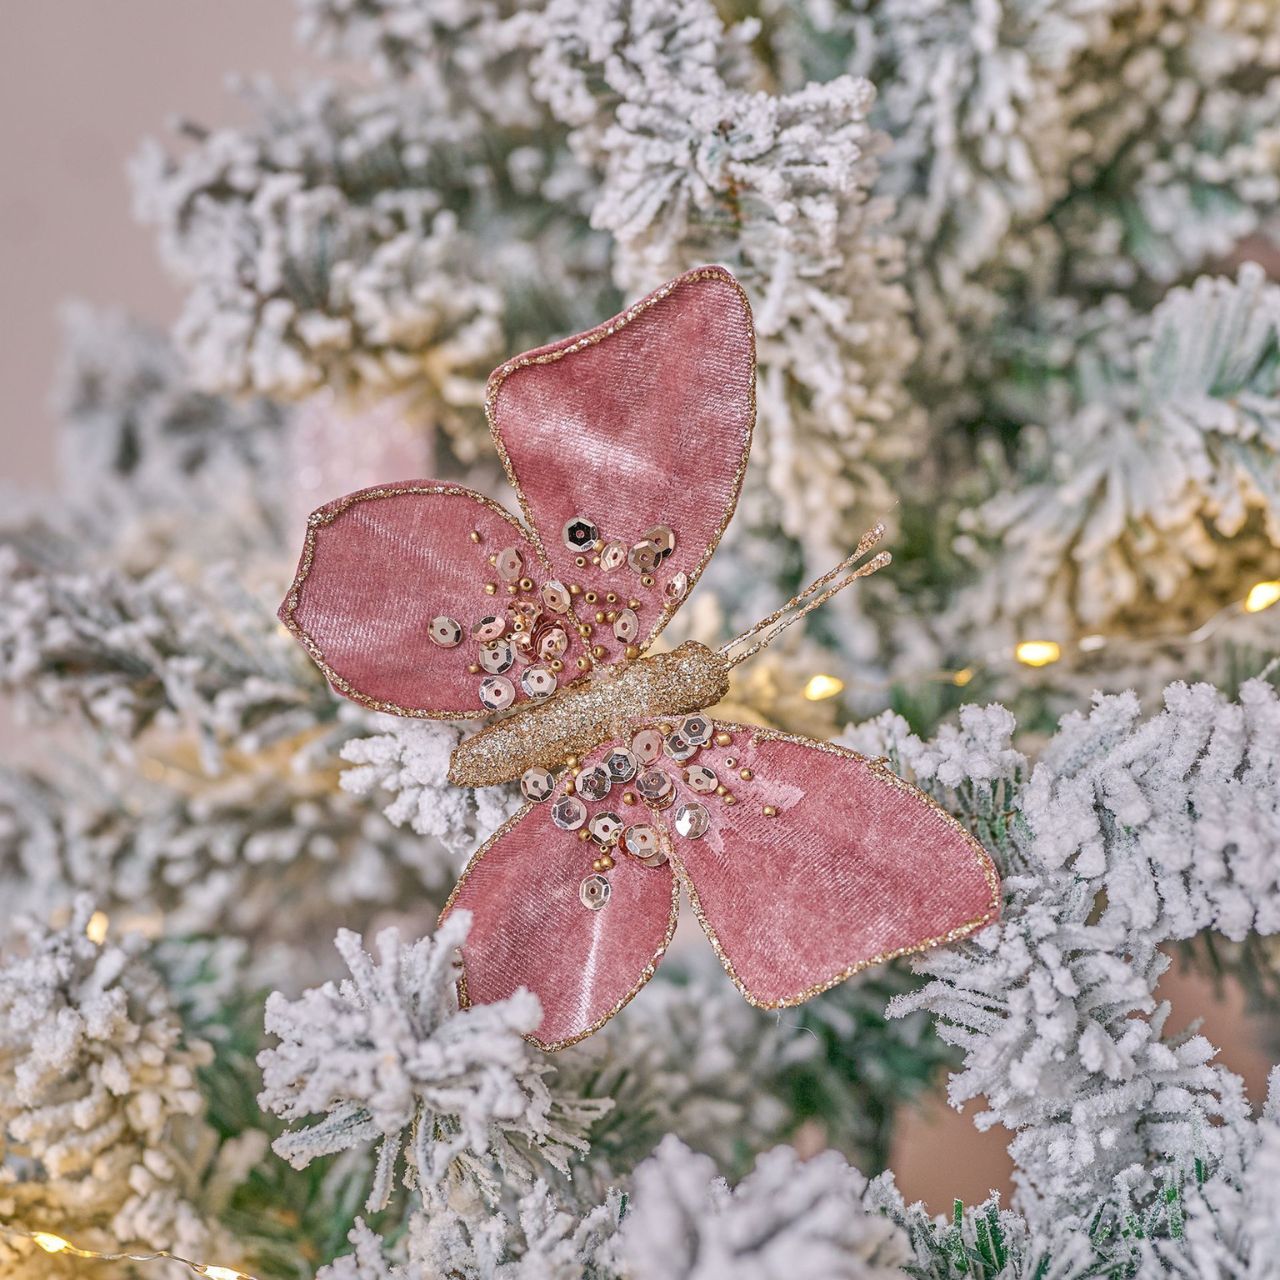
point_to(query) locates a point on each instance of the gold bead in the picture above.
(493, 559)
(611, 597)
(606, 863)
(491, 588)
(475, 535)
(590, 597)
(574, 589)
(769, 811)
(584, 630)
(628, 797)
(597, 651)
(598, 545)
(595, 559)
(568, 786)
(646, 579)
(526, 584)
(570, 761)
(722, 790)
(583, 663)
(580, 561)
(745, 775)
(473, 668)
(596, 865)
(633, 604)
(723, 739)
(731, 799)
(599, 615)
(556, 664)
(631, 651)
(584, 834)
(512, 588)
(611, 616)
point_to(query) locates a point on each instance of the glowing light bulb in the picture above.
(49, 1242)
(96, 929)
(223, 1273)
(962, 677)
(820, 687)
(1262, 595)
(1037, 653)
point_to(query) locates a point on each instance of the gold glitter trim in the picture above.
(464, 1000)
(326, 515)
(589, 339)
(983, 858)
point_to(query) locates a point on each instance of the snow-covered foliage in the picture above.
(101, 1115)
(387, 1055)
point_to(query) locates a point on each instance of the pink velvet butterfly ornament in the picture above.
(626, 445)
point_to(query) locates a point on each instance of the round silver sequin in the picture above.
(614, 556)
(522, 643)
(644, 556)
(697, 729)
(555, 595)
(593, 783)
(568, 813)
(678, 747)
(626, 626)
(621, 764)
(676, 589)
(579, 533)
(594, 892)
(663, 538)
(605, 827)
(445, 631)
(497, 693)
(553, 643)
(644, 842)
(488, 628)
(647, 745)
(699, 778)
(509, 564)
(655, 786)
(497, 656)
(538, 682)
(537, 784)
(692, 821)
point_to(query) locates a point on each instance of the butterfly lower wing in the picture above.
(531, 926)
(381, 566)
(641, 424)
(825, 863)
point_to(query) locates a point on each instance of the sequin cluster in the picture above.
(642, 556)
(650, 771)
(532, 629)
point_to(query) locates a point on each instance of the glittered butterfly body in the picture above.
(626, 446)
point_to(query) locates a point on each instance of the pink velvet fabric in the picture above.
(651, 425)
(382, 569)
(530, 928)
(852, 869)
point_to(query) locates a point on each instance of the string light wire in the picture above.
(51, 1242)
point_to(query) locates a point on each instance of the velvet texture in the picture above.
(853, 868)
(530, 928)
(648, 426)
(381, 569)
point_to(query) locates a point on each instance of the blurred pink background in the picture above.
(80, 84)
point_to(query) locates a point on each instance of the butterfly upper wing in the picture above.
(855, 867)
(530, 927)
(379, 565)
(644, 421)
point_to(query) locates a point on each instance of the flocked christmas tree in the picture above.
(999, 260)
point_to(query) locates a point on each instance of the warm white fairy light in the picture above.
(1262, 595)
(1037, 653)
(822, 686)
(52, 1243)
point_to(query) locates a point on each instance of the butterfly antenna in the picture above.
(814, 596)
